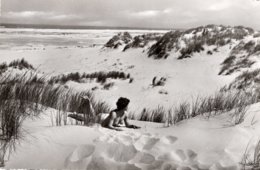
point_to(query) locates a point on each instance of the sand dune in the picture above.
(195, 144)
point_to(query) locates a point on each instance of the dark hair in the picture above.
(122, 103)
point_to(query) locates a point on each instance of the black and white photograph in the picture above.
(130, 84)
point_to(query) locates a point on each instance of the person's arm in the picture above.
(128, 125)
(111, 121)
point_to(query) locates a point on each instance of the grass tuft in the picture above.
(209, 106)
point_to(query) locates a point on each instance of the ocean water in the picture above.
(24, 37)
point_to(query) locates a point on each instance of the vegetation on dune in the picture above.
(195, 38)
(22, 99)
(158, 82)
(241, 57)
(33, 77)
(140, 41)
(126, 39)
(232, 64)
(3, 68)
(251, 161)
(164, 45)
(118, 40)
(107, 86)
(19, 64)
(28, 95)
(32, 92)
(190, 49)
(247, 81)
(210, 106)
(100, 77)
(227, 63)
(251, 47)
(55, 96)
(187, 42)
(256, 161)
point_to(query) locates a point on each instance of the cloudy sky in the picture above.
(133, 13)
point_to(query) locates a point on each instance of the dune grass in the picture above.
(251, 161)
(100, 77)
(256, 161)
(35, 91)
(207, 106)
(25, 96)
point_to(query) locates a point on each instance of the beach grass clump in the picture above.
(100, 77)
(21, 64)
(251, 161)
(161, 49)
(140, 41)
(256, 162)
(108, 86)
(215, 105)
(153, 115)
(257, 49)
(226, 64)
(210, 106)
(17, 98)
(229, 66)
(246, 81)
(119, 39)
(158, 82)
(3, 67)
(192, 47)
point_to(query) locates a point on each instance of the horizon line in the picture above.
(52, 26)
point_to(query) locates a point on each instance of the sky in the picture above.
(133, 13)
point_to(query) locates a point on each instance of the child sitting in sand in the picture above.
(118, 115)
(113, 119)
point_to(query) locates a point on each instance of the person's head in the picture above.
(122, 103)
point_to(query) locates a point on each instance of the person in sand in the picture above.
(113, 120)
(117, 116)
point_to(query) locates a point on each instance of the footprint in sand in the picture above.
(144, 158)
(147, 134)
(169, 156)
(184, 168)
(106, 138)
(180, 153)
(125, 139)
(81, 153)
(169, 139)
(156, 165)
(145, 142)
(147, 158)
(177, 155)
(191, 154)
(169, 166)
(218, 166)
(97, 163)
(150, 143)
(130, 167)
(120, 152)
